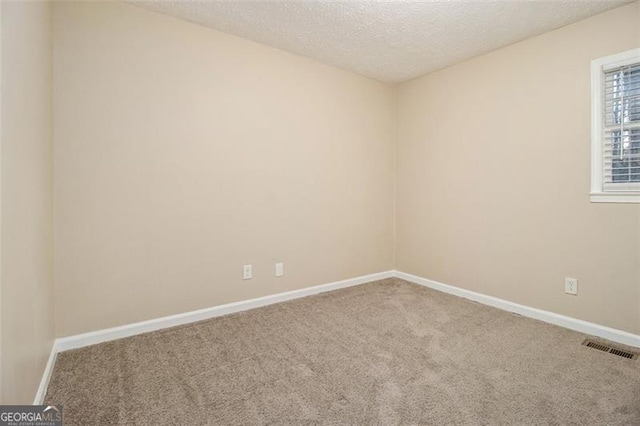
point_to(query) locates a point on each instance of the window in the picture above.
(615, 128)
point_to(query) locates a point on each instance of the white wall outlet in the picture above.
(247, 272)
(279, 269)
(571, 286)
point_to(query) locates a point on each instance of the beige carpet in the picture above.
(383, 353)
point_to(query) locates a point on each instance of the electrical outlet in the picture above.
(247, 272)
(279, 269)
(571, 286)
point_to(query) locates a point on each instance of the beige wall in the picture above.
(493, 162)
(182, 153)
(27, 206)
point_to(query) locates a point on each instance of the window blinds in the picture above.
(621, 137)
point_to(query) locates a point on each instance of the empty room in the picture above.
(310, 212)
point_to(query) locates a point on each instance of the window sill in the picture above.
(613, 197)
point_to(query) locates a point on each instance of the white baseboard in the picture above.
(590, 328)
(99, 336)
(46, 376)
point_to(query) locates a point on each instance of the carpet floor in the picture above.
(383, 353)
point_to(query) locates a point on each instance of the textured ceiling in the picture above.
(388, 41)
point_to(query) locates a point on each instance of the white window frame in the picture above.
(598, 67)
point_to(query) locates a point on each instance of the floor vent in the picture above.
(609, 349)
